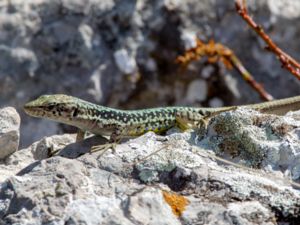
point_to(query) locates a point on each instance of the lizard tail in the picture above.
(278, 107)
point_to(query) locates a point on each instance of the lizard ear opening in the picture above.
(75, 112)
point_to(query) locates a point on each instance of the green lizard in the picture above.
(117, 124)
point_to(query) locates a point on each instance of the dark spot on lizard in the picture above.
(151, 115)
(50, 107)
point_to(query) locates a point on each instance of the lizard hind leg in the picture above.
(103, 148)
(114, 139)
(199, 126)
(183, 124)
(201, 129)
(202, 124)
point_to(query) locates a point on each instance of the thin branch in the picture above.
(218, 52)
(286, 60)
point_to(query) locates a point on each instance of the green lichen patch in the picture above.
(243, 134)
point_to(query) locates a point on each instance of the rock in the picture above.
(63, 176)
(77, 6)
(82, 48)
(207, 71)
(125, 63)
(241, 213)
(9, 131)
(260, 141)
(145, 206)
(285, 8)
(37, 151)
(150, 176)
(14, 163)
(250, 213)
(40, 127)
(197, 91)
(50, 145)
(215, 102)
(232, 85)
(98, 210)
(189, 39)
(75, 194)
(23, 57)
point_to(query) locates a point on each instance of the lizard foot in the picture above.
(201, 130)
(103, 148)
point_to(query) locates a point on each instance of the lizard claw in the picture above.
(103, 148)
(202, 128)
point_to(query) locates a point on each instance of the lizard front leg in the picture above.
(80, 135)
(200, 125)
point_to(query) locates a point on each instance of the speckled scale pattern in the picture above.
(137, 122)
(114, 122)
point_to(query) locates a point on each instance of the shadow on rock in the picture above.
(77, 149)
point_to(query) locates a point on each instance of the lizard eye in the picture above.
(50, 107)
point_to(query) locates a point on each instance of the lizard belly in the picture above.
(102, 132)
(98, 129)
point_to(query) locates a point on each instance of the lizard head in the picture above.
(61, 108)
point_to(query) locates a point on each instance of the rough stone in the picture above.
(53, 46)
(285, 8)
(129, 185)
(37, 151)
(145, 205)
(51, 145)
(259, 141)
(189, 39)
(125, 63)
(197, 91)
(216, 102)
(9, 131)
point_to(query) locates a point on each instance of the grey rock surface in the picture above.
(172, 179)
(269, 142)
(9, 131)
(37, 151)
(243, 170)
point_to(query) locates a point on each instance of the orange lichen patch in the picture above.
(177, 202)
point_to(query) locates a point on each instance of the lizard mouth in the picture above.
(33, 110)
(28, 109)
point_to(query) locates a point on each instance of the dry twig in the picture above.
(287, 61)
(218, 52)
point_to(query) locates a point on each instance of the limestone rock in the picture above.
(9, 131)
(37, 151)
(172, 179)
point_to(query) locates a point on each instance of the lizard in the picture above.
(118, 124)
(101, 120)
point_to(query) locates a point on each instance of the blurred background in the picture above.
(121, 53)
